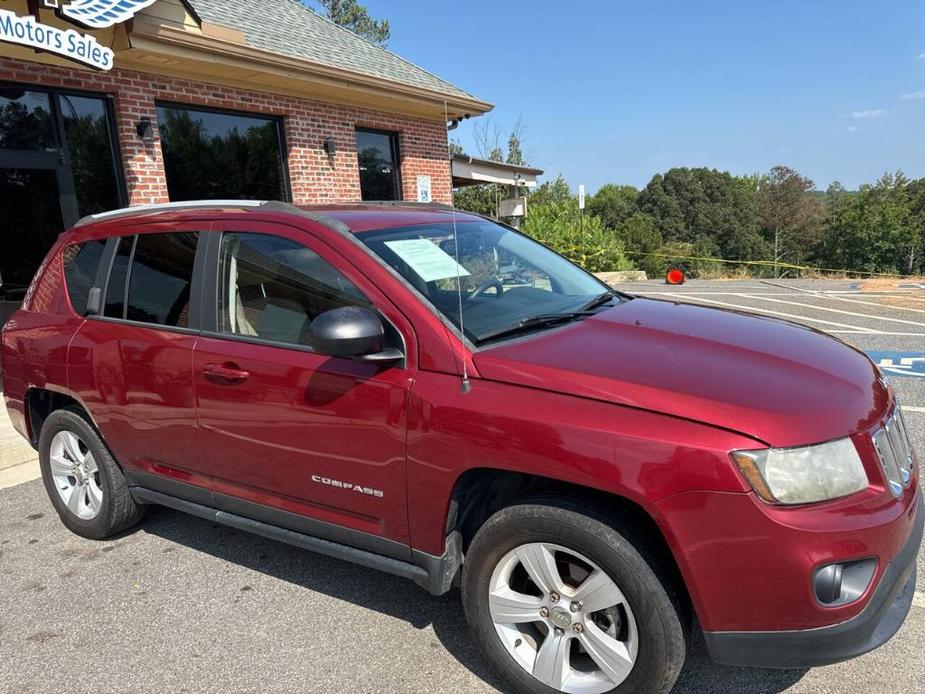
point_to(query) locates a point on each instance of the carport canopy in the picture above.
(470, 171)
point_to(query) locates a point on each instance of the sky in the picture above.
(618, 91)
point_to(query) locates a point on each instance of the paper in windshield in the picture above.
(427, 259)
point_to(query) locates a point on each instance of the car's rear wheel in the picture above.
(560, 601)
(83, 481)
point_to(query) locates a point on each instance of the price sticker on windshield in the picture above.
(427, 259)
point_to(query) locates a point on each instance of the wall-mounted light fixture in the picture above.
(145, 130)
(330, 147)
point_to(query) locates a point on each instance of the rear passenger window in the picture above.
(160, 279)
(273, 288)
(81, 262)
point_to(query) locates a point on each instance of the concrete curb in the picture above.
(19, 474)
(622, 276)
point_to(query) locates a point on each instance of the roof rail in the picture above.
(184, 205)
(408, 203)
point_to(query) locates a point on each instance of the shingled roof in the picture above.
(290, 28)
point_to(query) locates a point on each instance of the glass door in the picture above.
(58, 161)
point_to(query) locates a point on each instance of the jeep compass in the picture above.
(435, 395)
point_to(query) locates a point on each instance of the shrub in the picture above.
(558, 224)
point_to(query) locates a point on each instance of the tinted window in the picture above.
(221, 156)
(161, 277)
(81, 263)
(273, 288)
(115, 293)
(88, 132)
(25, 120)
(377, 154)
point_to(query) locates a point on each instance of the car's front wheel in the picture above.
(83, 481)
(560, 601)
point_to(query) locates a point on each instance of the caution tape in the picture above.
(770, 263)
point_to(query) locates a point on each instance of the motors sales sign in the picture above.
(83, 48)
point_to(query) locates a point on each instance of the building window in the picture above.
(377, 154)
(88, 130)
(222, 155)
(25, 120)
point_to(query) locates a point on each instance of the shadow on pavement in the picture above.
(403, 600)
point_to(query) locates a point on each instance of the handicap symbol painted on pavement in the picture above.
(899, 363)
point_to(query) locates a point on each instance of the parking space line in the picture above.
(830, 310)
(751, 309)
(884, 333)
(874, 303)
(909, 408)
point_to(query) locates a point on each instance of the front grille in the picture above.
(895, 452)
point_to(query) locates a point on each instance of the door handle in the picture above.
(228, 372)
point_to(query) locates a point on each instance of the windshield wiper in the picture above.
(599, 300)
(541, 320)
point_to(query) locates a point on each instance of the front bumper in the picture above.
(875, 625)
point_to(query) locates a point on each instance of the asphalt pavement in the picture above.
(182, 605)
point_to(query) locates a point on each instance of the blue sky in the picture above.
(616, 91)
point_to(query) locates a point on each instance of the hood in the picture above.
(779, 382)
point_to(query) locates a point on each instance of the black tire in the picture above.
(118, 510)
(659, 615)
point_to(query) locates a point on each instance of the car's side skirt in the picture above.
(433, 573)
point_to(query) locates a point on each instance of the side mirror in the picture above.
(354, 332)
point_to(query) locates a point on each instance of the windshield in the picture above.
(509, 282)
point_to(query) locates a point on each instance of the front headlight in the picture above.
(804, 475)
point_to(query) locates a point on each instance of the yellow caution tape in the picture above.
(770, 263)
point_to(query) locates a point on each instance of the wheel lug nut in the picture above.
(559, 632)
(575, 607)
(553, 597)
(544, 612)
(578, 628)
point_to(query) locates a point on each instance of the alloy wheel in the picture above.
(563, 619)
(76, 475)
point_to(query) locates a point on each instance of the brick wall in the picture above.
(314, 177)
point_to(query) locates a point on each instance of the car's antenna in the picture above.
(465, 385)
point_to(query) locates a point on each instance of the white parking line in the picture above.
(908, 408)
(873, 303)
(918, 599)
(752, 309)
(830, 310)
(884, 333)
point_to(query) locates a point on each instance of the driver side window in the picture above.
(272, 288)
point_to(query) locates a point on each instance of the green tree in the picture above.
(876, 230)
(353, 16)
(557, 191)
(642, 243)
(916, 191)
(790, 214)
(515, 154)
(614, 204)
(707, 207)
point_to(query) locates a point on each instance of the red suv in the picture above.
(435, 395)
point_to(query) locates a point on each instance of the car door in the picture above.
(131, 364)
(291, 437)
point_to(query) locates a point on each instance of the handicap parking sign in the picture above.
(899, 363)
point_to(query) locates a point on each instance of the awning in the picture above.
(469, 171)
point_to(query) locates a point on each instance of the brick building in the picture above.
(194, 99)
